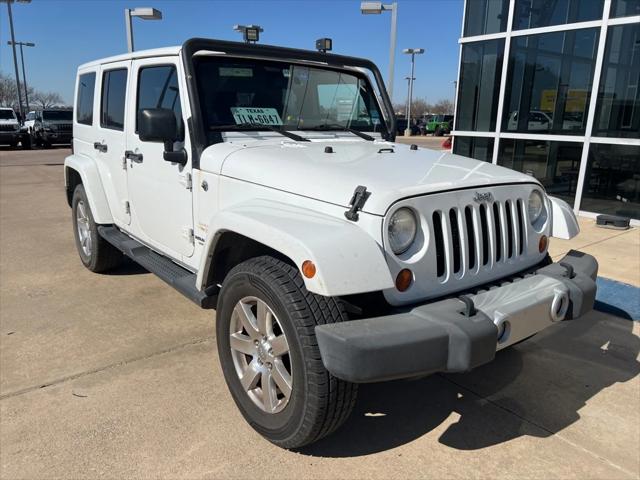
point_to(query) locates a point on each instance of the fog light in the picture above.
(404, 279)
(308, 269)
(542, 244)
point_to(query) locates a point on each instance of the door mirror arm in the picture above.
(173, 156)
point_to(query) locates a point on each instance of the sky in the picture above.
(68, 33)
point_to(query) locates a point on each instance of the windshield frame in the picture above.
(11, 112)
(269, 52)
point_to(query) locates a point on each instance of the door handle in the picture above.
(134, 157)
(101, 147)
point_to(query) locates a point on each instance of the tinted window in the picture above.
(32, 116)
(114, 89)
(555, 164)
(485, 16)
(611, 183)
(549, 82)
(7, 115)
(57, 115)
(158, 88)
(625, 8)
(474, 147)
(84, 102)
(618, 106)
(543, 13)
(479, 85)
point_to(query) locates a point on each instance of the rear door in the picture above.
(159, 191)
(110, 139)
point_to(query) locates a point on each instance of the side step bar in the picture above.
(179, 278)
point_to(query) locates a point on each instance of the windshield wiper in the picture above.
(335, 126)
(259, 126)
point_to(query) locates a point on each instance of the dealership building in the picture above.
(552, 88)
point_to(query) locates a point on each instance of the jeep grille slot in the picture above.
(520, 227)
(485, 234)
(510, 239)
(455, 240)
(498, 231)
(471, 234)
(439, 241)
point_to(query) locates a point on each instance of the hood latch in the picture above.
(359, 198)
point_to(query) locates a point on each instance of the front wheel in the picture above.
(270, 357)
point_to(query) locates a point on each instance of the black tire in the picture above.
(319, 402)
(103, 256)
(13, 144)
(438, 132)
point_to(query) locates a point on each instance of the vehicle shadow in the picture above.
(499, 401)
(128, 267)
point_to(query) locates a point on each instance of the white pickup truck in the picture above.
(264, 182)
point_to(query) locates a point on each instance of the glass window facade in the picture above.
(474, 147)
(612, 181)
(485, 16)
(479, 85)
(549, 82)
(624, 8)
(618, 106)
(555, 164)
(544, 13)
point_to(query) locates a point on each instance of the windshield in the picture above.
(54, 115)
(236, 93)
(7, 115)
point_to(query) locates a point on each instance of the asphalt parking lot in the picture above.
(117, 376)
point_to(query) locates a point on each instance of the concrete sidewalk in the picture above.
(113, 376)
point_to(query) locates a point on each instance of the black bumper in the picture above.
(440, 337)
(57, 137)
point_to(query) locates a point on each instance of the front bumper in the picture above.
(9, 136)
(458, 334)
(56, 137)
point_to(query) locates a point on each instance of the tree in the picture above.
(8, 89)
(47, 99)
(443, 107)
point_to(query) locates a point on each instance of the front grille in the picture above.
(8, 128)
(64, 127)
(473, 236)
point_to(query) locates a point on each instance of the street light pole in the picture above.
(406, 108)
(413, 52)
(15, 60)
(24, 74)
(146, 13)
(376, 8)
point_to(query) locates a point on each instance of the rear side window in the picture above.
(84, 102)
(158, 88)
(114, 89)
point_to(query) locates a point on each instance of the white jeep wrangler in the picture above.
(264, 182)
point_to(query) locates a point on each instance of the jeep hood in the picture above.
(304, 168)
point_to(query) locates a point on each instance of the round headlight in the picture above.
(402, 230)
(536, 206)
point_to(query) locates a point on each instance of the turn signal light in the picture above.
(404, 279)
(542, 244)
(308, 269)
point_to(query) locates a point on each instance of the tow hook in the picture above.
(559, 304)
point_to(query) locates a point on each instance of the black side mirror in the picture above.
(159, 125)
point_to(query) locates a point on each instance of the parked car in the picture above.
(9, 127)
(437, 125)
(536, 121)
(332, 254)
(50, 126)
(401, 127)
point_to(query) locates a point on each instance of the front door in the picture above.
(159, 191)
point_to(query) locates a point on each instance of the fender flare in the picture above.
(348, 260)
(88, 170)
(564, 223)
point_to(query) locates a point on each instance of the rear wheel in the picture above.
(95, 252)
(270, 357)
(438, 132)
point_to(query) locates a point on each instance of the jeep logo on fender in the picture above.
(483, 197)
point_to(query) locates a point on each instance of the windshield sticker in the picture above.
(235, 72)
(256, 116)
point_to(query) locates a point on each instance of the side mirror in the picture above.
(159, 125)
